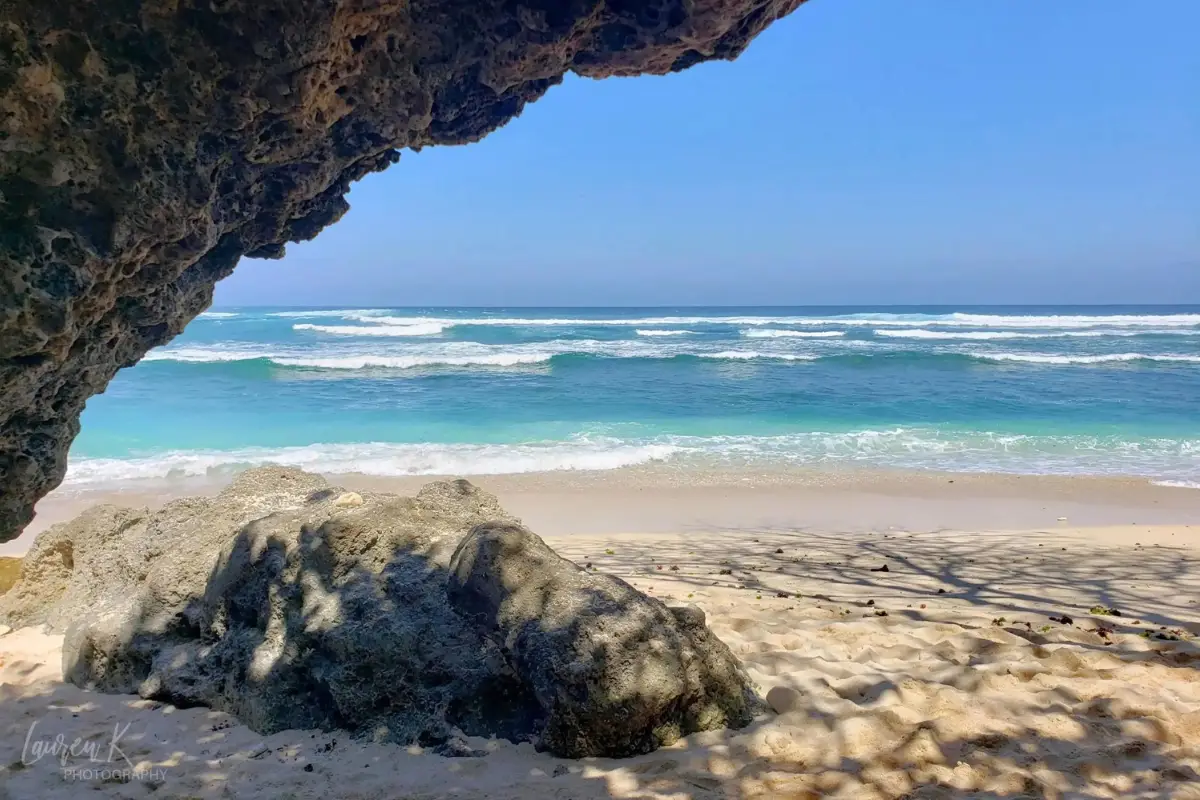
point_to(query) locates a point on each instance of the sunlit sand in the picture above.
(1051, 660)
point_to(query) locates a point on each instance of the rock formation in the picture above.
(615, 671)
(292, 604)
(145, 147)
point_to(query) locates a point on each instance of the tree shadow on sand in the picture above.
(359, 638)
(1151, 592)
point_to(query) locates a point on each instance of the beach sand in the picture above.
(950, 674)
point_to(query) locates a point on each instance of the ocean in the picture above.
(415, 391)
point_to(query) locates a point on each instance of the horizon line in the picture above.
(357, 306)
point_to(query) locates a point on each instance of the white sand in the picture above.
(662, 499)
(939, 698)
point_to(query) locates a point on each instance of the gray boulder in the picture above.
(324, 614)
(292, 604)
(614, 670)
(70, 566)
(162, 558)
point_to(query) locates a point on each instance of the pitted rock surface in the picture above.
(413, 620)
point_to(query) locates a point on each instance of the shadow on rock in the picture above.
(616, 671)
(292, 604)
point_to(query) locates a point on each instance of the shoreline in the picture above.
(661, 499)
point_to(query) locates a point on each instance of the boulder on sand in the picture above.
(163, 558)
(614, 670)
(282, 603)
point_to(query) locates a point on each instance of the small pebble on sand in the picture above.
(783, 699)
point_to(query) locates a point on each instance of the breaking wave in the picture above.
(752, 355)
(1169, 462)
(341, 313)
(351, 362)
(202, 355)
(470, 354)
(375, 458)
(495, 356)
(957, 319)
(922, 333)
(411, 362)
(1047, 358)
(418, 329)
(1069, 321)
(775, 333)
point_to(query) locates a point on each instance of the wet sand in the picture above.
(661, 499)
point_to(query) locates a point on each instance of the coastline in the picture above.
(662, 499)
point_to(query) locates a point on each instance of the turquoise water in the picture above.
(1068, 390)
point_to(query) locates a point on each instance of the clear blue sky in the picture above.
(861, 151)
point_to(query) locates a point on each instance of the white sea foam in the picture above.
(958, 319)
(452, 354)
(375, 459)
(654, 332)
(1178, 484)
(343, 313)
(218, 314)
(1072, 321)
(456, 354)
(378, 316)
(750, 355)
(1052, 322)
(1164, 332)
(958, 450)
(1049, 358)
(433, 353)
(412, 362)
(353, 362)
(732, 355)
(923, 333)
(580, 322)
(881, 320)
(417, 329)
(776, 333)
(1168, 462)
(203, 354)
(636, 322)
